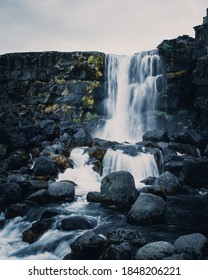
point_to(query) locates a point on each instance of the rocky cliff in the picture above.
(183, 95)
(43, 93)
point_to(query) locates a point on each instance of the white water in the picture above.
(140, 166)
(132, 94)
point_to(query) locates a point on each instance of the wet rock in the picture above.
(195, 245)
(93, 197)
(148, 181)
(40, 197)
(205, 153)
(48, 127)
(63, 191)
(156, 191)
(96, 152)
(16, 210)
(148, 208)
(168, 182)
(83, 137)
(120, 235)
(88, 246)
(195, 172)
(16, 160)
(63, 162)
(155, 251)
(184, 149)
(97, 165)
(181, 256)
(37, 229)
(122, 251)
(174, 164)
(156, 136)
(10, 193)
(44, 166)
(49, 213)
(118, 188)
(78, 222)
(192, 137)
(105, 144)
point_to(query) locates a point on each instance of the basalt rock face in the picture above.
(41, 91)
(183, 95)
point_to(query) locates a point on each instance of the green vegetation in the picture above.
(164, 115)
(168, 49)
(177, 74)
(98, 62)
(88, 101)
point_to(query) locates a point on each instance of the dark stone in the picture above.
(168, 182)
(62, 162)
(156, 136)
(118, 188)
(88, 246)
(62, 191)
(32, 234)
(191, 136)
(15, 210)
(40, 197)
(195, 245)
(77, 222)
(93, 197)
(49, 213)
(10, 193)
(184, 149)
(205, 153)
(96, 152)
(119, 236)
(173, 164)
(83, 137)
(122, 251)
(48, 127)
(148, 181)
(148, 208)
(195, 171)
(97, 165)
(105, 144)
(44, 166)
(155, 251)
(16, 160)
(156, 191)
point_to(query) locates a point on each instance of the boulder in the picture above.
(83, 137)
(37, 230)
(94, 197)
(44, 166)
(96, 152)
(88, 246)
(62, 191)
(155, 251)
(118, 188)
(78, 222)
(148, 208)
(48, 127)
(16, 160)
(10, 193)
(122, 251)
(156, 136)
(40, 197)
(16, 210)
(49, 213)
(156, 191)
(120, 235)
(168, 182)
(195, 245)
(195, 172)
(187, 149)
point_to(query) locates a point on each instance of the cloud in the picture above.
(112, 26)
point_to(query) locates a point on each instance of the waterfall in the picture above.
(131, 96)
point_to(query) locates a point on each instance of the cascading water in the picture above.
(132, 93)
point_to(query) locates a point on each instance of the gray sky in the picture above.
(111, 26)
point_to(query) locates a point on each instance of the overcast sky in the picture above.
(111, 26)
